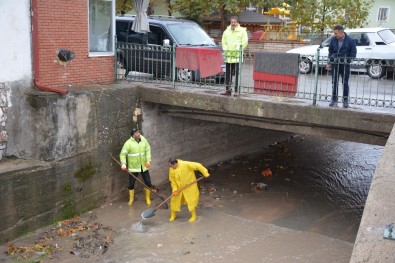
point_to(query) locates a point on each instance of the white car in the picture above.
(375, 51)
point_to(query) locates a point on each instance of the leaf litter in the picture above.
(88, 239)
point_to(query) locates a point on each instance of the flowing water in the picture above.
(300, 200)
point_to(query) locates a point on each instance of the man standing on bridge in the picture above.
(234, 38)
(342, 50)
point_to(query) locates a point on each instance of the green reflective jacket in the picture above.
(136, 154)
(231, 42)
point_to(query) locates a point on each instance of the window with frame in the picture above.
(101, 21)
(383, 14)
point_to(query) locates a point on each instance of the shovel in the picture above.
(150, 212)
(154, 192)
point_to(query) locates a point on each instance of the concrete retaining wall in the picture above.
(370, 244)
(69, 141)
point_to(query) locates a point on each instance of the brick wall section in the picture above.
(271, 46)
(256, 46)
(64, 24)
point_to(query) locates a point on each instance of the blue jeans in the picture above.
(337, 71)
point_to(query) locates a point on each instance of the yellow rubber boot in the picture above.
(193, 216)
(172, 215)
(131, 197)
(148, 196)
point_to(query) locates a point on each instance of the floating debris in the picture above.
(259, 186)
(267, 172)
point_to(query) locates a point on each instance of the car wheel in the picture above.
(376, 71)
(305, 66)
(184, 75)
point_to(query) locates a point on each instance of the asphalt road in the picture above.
(363, 89)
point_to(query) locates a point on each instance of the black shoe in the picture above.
(226, 93)
(333, 103)
(345, 104)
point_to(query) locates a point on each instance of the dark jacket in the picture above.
(348, 49)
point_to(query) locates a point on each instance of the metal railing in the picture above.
(371, 82)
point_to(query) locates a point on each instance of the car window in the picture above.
(190, 34)
(130, 35)
(361, 39)
(326, 42)
(157, 35)
(121, 30)
(387, 36)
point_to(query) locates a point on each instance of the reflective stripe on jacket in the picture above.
(231, 42)
(136, 154)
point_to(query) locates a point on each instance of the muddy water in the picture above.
(317, 185)
(309, 213)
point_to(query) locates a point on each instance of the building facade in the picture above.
(49, 45)
(382, 14)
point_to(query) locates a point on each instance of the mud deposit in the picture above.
(300, 200)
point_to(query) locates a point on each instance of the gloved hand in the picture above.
(147, 164)
(123, 167)
(175, 193)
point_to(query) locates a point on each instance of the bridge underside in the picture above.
(273, 113)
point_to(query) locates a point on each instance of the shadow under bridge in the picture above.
(272, 113)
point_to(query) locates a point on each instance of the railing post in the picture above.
(173, 60)
(116, 59)
(239, 69)
(317, 62)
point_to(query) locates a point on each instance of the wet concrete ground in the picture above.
(310, 213)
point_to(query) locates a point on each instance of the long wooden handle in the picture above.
(138, 179)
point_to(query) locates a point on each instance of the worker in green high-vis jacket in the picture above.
(135, 156)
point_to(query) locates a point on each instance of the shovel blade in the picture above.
(148, 213)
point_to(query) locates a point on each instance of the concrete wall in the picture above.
(70, 138)
(370, 244)
(74, 136)
(15, 62)
(201, 141)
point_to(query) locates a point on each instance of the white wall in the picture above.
(372, 20)
(15, 71)
(15, 51)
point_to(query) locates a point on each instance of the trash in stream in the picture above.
(259, 186)
(267, 172)
(88, 238)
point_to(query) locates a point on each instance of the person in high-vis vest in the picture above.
(136, 157)
(182, 173)
(233, 38)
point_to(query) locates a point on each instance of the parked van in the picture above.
(153, 50)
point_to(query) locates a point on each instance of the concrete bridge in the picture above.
(296, 116)
(73, 135)
(273, 113)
